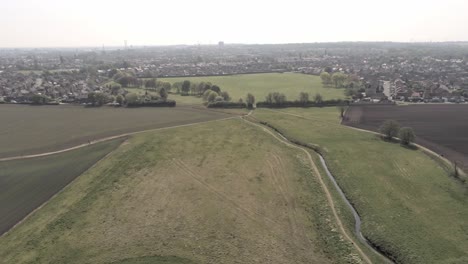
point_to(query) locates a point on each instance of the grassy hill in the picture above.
(221, 192)
(409, 205)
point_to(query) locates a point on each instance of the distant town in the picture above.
(418, 72)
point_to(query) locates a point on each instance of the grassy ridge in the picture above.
(220, 192)
(408, 203)
(26, 184)
(291, 84)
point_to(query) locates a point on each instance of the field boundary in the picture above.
(106, 139)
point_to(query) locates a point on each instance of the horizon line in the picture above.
(230, 44)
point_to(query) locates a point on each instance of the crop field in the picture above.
(410, 207)
(291, 84)
(26, 184)
(442, 128)
(36, 129)
(220, 192)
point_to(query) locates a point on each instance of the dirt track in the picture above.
(102, 140)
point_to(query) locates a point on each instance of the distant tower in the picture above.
(221, 44)
(125, 42)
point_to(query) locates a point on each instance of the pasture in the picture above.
(410, 207)
(220, 192)
(291, 84)
(440, 127)
(26, 184)
(36, 129)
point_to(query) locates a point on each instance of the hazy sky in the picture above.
(59, 23)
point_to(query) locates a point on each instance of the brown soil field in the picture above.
(26, 184)
(442, 128)
(26, 130)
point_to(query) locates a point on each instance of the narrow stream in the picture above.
(357, 218)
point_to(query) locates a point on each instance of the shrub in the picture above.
(212, 96)
(390, 128)
(406, 135)
(224, 104)
(153, 103)
(250, 100)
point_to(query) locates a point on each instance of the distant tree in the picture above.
(185, 87)
(328, 69)
(151, 83)
(167, 86)
(207, 94)
(406, 135)
(119, 99)
(342, 109)
(318, 99)
(111, 73)
(278, 98)
(250, 100)
(326, 78)
(240, 100)
(269, 98)
(338, 79)
(163, 93)
(212, 96)
(207, 86)
(115, 89)
(225, 96)
(304, 98)
(39, 99)
(216, 88)
(92, 98)
(390, 128)
(101, 99)
(132, 98)
(219, 98)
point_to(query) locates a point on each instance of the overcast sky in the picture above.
(62, 23)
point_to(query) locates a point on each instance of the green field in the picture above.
(28, 183)
(220, 192)
(291, 84)
(409, 205)
(36, 129)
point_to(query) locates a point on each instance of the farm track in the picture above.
(105, 139)
(329, 197)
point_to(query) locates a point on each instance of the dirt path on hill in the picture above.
(322, 183)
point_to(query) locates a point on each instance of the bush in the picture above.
(224, 104)
(406, 135)
(301, 104)
(390, 128)
(153, 103)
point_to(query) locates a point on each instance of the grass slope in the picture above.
(26, 184)
(291, 84)
(222, 192)
(409, 205)
(35, 129)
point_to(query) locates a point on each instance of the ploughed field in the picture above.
(442, 128)
(28, 129)
(27, 183)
